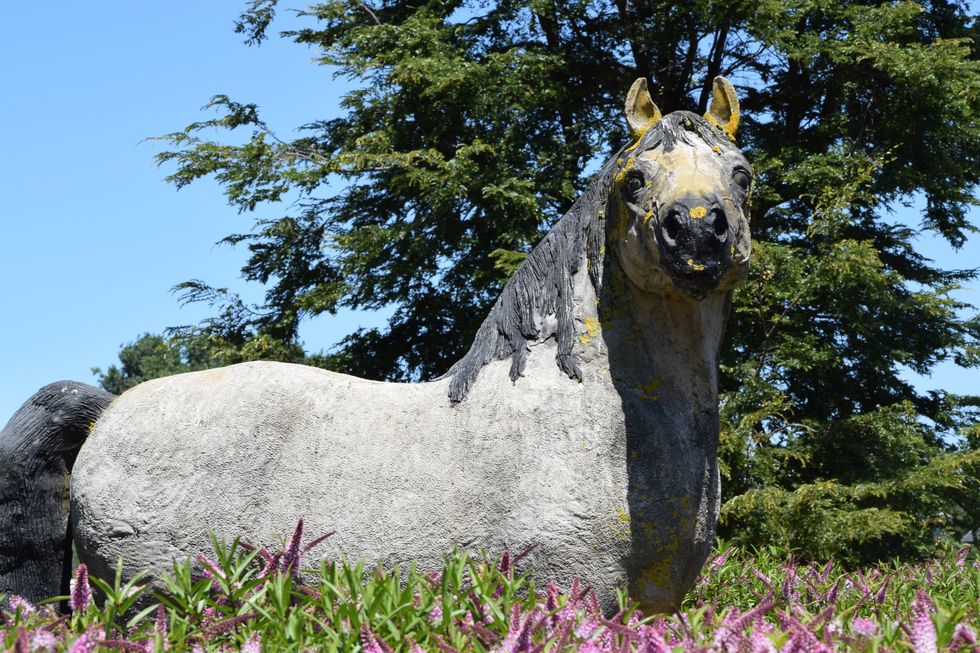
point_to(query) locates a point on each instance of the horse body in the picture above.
(583, 420)
(395, 470)
(612, 484)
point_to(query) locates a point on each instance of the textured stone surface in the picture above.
(584, 419)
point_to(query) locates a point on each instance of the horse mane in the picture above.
(542, 285)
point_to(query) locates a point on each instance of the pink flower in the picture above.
(22, 604)
(761, 576)
(833, 629)
(290, 561)
(962, 638)
(371, 643)
(801, 638)
(21, 644)
(551, 600)
(209, 617)
(211, 569)
(788, 588)
(588, 626)
(253, 644)
(271, 563)
(864, 627)
(504, 565)
(832, 593)
(435, 614)
(43, 640)
(519, 636)
(962, 555)
(922, 632)
(880, 596)
(759, 643)
(722, 559)
(413, 646)
(160, 627)
(79, 590)
(88, 642)
(651, 641)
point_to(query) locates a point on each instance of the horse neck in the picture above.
(662, 344)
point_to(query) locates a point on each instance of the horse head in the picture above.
(680, 196)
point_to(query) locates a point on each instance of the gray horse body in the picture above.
(608, 483)
(583, 419)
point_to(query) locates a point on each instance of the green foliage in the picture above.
(826, 448)
(242, 598)
(737, 577)
(150, 357)
(472, 127)
(154, 356)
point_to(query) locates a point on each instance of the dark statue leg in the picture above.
(37, 450)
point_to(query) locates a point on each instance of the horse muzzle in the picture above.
(695, 243)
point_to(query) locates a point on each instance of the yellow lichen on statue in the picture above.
(591, 326)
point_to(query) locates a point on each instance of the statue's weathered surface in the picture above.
(614, 477)
(37, 450)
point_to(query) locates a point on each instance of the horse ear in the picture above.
(641, 112)
(723, 108)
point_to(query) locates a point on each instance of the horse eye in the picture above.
(741, 178)
(634, 184)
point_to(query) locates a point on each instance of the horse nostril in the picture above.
(672, 227)
(720, 224)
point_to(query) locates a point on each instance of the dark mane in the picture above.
(542, 286)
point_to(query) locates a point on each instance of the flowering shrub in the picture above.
(249, 599)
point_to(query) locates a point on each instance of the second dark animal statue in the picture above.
(584, 418)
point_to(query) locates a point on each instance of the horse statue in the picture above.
(583, 419)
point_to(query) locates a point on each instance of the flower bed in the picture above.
(249, 599)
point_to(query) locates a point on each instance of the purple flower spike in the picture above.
(864, 627)
(504, 565)
(22, 604)
(761, 576)
(551, 600)
(922, 632)
(962, 555)
(722, 559)
(253, 644)
(518, 638)
(88, 642)
(962, 637)
(317, 541)
(882, 593)
(79, 589)
(271, 563)
(161, 625)
(42, 640)
(651, 641)
(435, 614)
(413, 646)
(371, 643)
(22, 644)
(290, 561)
(789, 586)
(760, 643)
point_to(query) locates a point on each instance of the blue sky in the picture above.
(93, 239)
